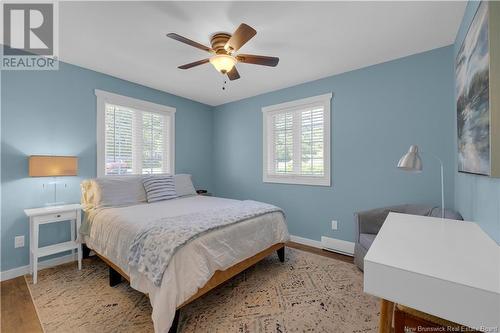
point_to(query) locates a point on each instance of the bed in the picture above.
(116, 212)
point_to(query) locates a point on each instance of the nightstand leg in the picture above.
(78, 224)
(31, 247)
(35, 268)
(35, 252)
(73, 235)
(80, 256)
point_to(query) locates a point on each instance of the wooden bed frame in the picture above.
(219, 277)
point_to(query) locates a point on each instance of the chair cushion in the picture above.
(366, 240)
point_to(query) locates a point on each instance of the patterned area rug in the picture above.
(308, 293)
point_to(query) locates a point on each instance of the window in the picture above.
(133, 136)
(297, 142)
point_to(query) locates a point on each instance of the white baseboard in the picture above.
(327, 243)
(20, 271)
(306, 241)
(338, 245)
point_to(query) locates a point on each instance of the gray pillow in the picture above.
(112, 191)
(184, 185)
(159, 187)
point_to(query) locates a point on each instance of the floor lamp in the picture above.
(412, 162)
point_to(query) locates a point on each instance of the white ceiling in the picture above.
(312, 40)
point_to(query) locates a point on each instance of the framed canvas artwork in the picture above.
(477, 106)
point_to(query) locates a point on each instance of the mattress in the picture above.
(111, 231)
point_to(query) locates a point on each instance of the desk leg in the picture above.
(386, 313)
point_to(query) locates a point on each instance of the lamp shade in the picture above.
(52, 166)
(411, 161)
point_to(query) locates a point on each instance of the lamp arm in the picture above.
(442, 179)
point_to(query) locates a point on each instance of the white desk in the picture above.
(446, 268)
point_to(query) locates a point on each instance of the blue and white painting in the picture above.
(473, 100)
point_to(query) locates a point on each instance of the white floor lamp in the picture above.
(412, 162)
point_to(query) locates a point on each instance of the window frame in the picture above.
(105, 97)
(268, 111)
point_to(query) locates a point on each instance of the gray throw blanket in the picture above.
(154, 246)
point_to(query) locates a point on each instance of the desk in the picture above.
(449, 269)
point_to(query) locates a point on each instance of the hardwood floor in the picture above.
(18, 314)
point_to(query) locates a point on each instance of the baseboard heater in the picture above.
(337, 245)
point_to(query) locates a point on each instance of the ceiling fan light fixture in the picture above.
(224, 47)
(223, 62)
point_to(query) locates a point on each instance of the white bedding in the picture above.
(112, 231)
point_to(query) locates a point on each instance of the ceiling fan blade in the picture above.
(258, 59)
(242, 35)
(193, 64)
(233, 74)
(189, 42)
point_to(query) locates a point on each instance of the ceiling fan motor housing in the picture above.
(218, 42)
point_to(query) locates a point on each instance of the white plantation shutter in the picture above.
(282, 131)
(136, 141)
(151, 151)
(312, 141)
(119, 139)
(297, 141)
(134, 137)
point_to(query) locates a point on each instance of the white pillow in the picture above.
(115, 191)
(184, 185)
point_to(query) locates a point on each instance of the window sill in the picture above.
(297, 180)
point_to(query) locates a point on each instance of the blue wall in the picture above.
(54, 112)
(477, 197)
(377, 113)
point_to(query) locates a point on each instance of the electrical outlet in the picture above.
(19, 241)
(334, 225)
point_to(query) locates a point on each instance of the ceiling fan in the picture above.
(224, 47)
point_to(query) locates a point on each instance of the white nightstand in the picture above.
(44, 215)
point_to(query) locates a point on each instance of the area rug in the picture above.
(307, 293)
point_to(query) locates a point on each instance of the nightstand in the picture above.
(51, 214)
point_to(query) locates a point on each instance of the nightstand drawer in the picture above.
(54, 217)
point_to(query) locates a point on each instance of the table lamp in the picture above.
(412, 162)
(53, 166)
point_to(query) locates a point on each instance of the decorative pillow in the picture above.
(159, 187)
(114, 191)
(184, 185)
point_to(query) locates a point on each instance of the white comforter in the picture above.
(112, 231)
